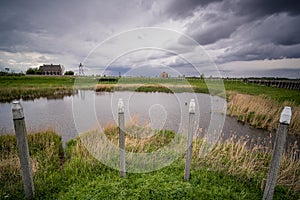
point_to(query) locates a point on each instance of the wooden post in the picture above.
(121, 137)
(285, 119)
(189, 146)
(20, 129)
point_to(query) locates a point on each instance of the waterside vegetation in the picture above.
(262, 111)
(31, 87)
(229, 171)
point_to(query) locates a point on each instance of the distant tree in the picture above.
(38, 71)
(33, 71)
(70, 73)
(30, 71)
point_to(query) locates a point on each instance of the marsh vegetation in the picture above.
(229, 171)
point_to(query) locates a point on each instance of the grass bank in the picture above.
(229, 171)
(31, 87)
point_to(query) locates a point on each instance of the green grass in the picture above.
(31, 87)
(201, 86)
(46, 157)
(39, 86)
(279, 94)
(36, 81)
(80, 176)
(163, 184)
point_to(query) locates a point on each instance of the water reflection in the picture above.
(158, 110)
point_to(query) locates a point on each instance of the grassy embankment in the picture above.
(229, 171)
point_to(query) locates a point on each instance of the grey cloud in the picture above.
(255, 8)
(184, 8)
(259, 52)
(90, 21)
(210, 27)
(275, 37)
(249, 29)
(261, 8)
(282, 72)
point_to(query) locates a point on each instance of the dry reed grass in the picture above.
(262, 111)
(235, 158)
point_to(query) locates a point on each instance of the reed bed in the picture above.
(237, 159)
(262, 111)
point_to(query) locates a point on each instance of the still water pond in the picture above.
(88, 110)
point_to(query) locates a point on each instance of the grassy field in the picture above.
(31, 87)
(279, 94)
(16, 87)
(230, 171)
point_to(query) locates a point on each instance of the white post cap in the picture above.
(17, 110)
(286, 115)
(121, 106)
(192, 107)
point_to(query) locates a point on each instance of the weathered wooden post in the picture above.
(20, 129)
(281, 134)
(121, 137)
(189, 146)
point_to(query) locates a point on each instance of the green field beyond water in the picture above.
(29, 87)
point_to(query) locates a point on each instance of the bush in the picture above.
(70, 73)
(33, 71)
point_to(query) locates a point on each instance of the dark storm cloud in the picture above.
(248, 29)
(261, 8)
(260, 52)
(275, 37)
(211, 27)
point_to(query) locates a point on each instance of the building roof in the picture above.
(51, 67)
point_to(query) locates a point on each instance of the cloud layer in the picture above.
(35, 32)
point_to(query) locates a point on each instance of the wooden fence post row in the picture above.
(121, 120)
(20, 129)
(281, 134)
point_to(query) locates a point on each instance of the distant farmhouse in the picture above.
(164, 75)
(52, 69)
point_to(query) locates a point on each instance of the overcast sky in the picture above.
(242, 37)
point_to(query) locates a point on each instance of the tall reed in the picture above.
(262, 111)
